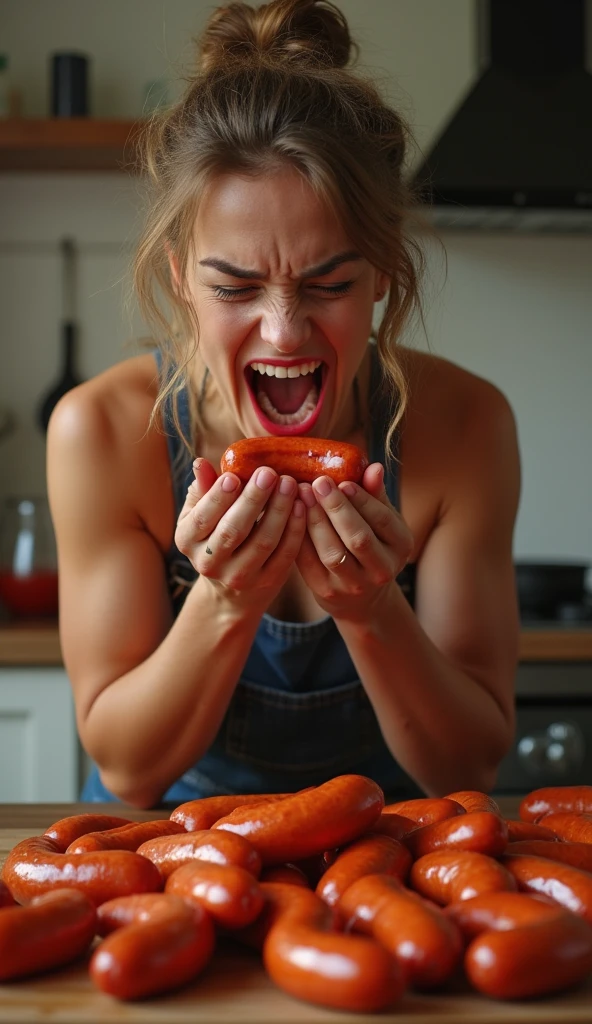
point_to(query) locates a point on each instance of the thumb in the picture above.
(204, 477)
(373, 482)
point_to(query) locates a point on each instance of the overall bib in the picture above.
(299, 714)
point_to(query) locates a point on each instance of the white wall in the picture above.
(515, 309)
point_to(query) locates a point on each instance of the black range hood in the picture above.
(517, 154)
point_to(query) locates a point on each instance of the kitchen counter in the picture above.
(37, 643)
(234, 988)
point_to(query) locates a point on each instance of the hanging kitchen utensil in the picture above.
(69, 378)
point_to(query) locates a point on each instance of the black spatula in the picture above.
(69, 378)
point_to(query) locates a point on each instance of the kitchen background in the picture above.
(514, 307)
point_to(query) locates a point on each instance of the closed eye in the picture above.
(232, 293)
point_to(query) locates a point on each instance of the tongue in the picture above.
(286, 394)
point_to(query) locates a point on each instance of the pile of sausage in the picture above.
(348, 901)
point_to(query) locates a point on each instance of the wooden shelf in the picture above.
(68, 144)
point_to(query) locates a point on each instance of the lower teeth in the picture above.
(289, 418)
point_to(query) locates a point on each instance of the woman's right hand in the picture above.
(245, 539)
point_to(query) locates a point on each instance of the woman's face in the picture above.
(284, 304)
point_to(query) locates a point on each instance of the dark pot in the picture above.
(544, 586)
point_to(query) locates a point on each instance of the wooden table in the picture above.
(234, 988)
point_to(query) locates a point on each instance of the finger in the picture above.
(333, 525)
(386, 523)
(234, 526)
(289, 546)
(205, 477)
(202, 511)
(373, 482)
(260, 547)
(310, 567)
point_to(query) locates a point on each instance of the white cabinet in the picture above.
(38, 739)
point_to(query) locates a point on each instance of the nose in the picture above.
(285, 326)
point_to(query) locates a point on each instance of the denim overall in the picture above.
(299, 714)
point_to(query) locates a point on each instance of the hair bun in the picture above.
(309, 29)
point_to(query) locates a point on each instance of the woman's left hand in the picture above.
(355, 546)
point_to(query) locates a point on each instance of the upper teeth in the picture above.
(287, 371)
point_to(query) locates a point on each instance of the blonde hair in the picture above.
(272, 90)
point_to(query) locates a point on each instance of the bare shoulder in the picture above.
(452, 410)
(100, 444)
(110, 409)
(458, 442)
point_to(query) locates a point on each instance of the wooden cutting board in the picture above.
(234, 988)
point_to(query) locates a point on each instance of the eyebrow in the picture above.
(321, 270)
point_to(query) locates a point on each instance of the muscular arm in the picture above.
(150, 693)
(441, 679)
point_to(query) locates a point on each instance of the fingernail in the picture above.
(265, 478)
(307, 495)
(323, 486)
(298, 509)
(349, 489)
(229, 483)
(197, 465)
(286, 485)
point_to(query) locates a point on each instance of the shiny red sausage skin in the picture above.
(304, 458)
(446, 876)
(195, 815)
(231, 895)
(169, 852)
(475, 800)
(35, 866)
(427, 944)
(51, 931)
(568, 886)
(570, 827)
(161, 944)
(577, 799)
(372, 854)
(538, 958)
(305, 824)
(499, 911)
(425, 810)
(307, 959)
(477, 831)
(66, 830)
(126, 837)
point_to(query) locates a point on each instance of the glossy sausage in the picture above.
(475, 800)
(159, 945)
(305, 824)
(570, 887)
(36, 865)
(427, 944)
(6, 897)
(522, 831)
(393, 825)
(534, 960)
(126, 837)
(170, 852)
(478, 831)
(308, 960)
(372, 854)
(577, 799)
(289, 873)
(425, 810)
(195, 815)
(53, 930)
(573, 828)
(304, 458)
(450, 875)
(231, 895)
(66, 830)
(579, 855)
(498, 911)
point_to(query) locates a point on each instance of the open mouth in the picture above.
(287, 398)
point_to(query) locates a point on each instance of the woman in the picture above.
(226, 637)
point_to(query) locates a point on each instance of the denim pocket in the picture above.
(298, 732)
